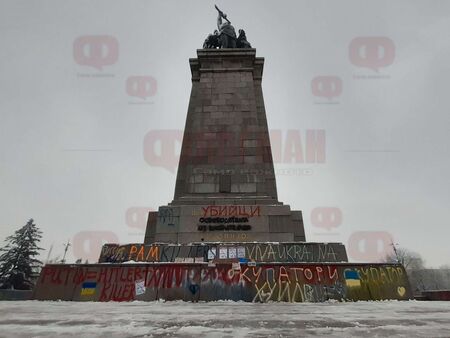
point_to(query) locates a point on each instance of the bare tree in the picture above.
(409, 259)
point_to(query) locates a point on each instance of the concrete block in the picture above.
(166, 238)
(280, 224)
(210, 108)
(251, 143)
(247, 187)
(204, 188)
(253, 159)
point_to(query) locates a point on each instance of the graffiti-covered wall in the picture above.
(252, 282)
(257, 252)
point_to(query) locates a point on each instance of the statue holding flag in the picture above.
(226, 31)
(225, 36)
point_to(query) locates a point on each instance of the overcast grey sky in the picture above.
(72, 136)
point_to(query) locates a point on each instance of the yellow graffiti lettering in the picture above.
(374, 274)
(284, 292)
(384, 277)
(298, 290)
(262, 294)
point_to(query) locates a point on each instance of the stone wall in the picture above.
(226, 223)
(208, 282)
(221, 252)
(15, 294)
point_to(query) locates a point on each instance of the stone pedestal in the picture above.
(226, 188)
(226, 150)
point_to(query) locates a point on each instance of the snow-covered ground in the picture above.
(225, 319)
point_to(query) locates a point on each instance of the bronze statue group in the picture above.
(225, 36)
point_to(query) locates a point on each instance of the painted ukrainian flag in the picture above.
(88, 289)
(352, 278)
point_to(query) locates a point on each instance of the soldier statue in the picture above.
(212, 41)
(242, 40)
(225, 36)
(226, 31)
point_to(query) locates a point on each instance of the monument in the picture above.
(225, 234)
(226, 186)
